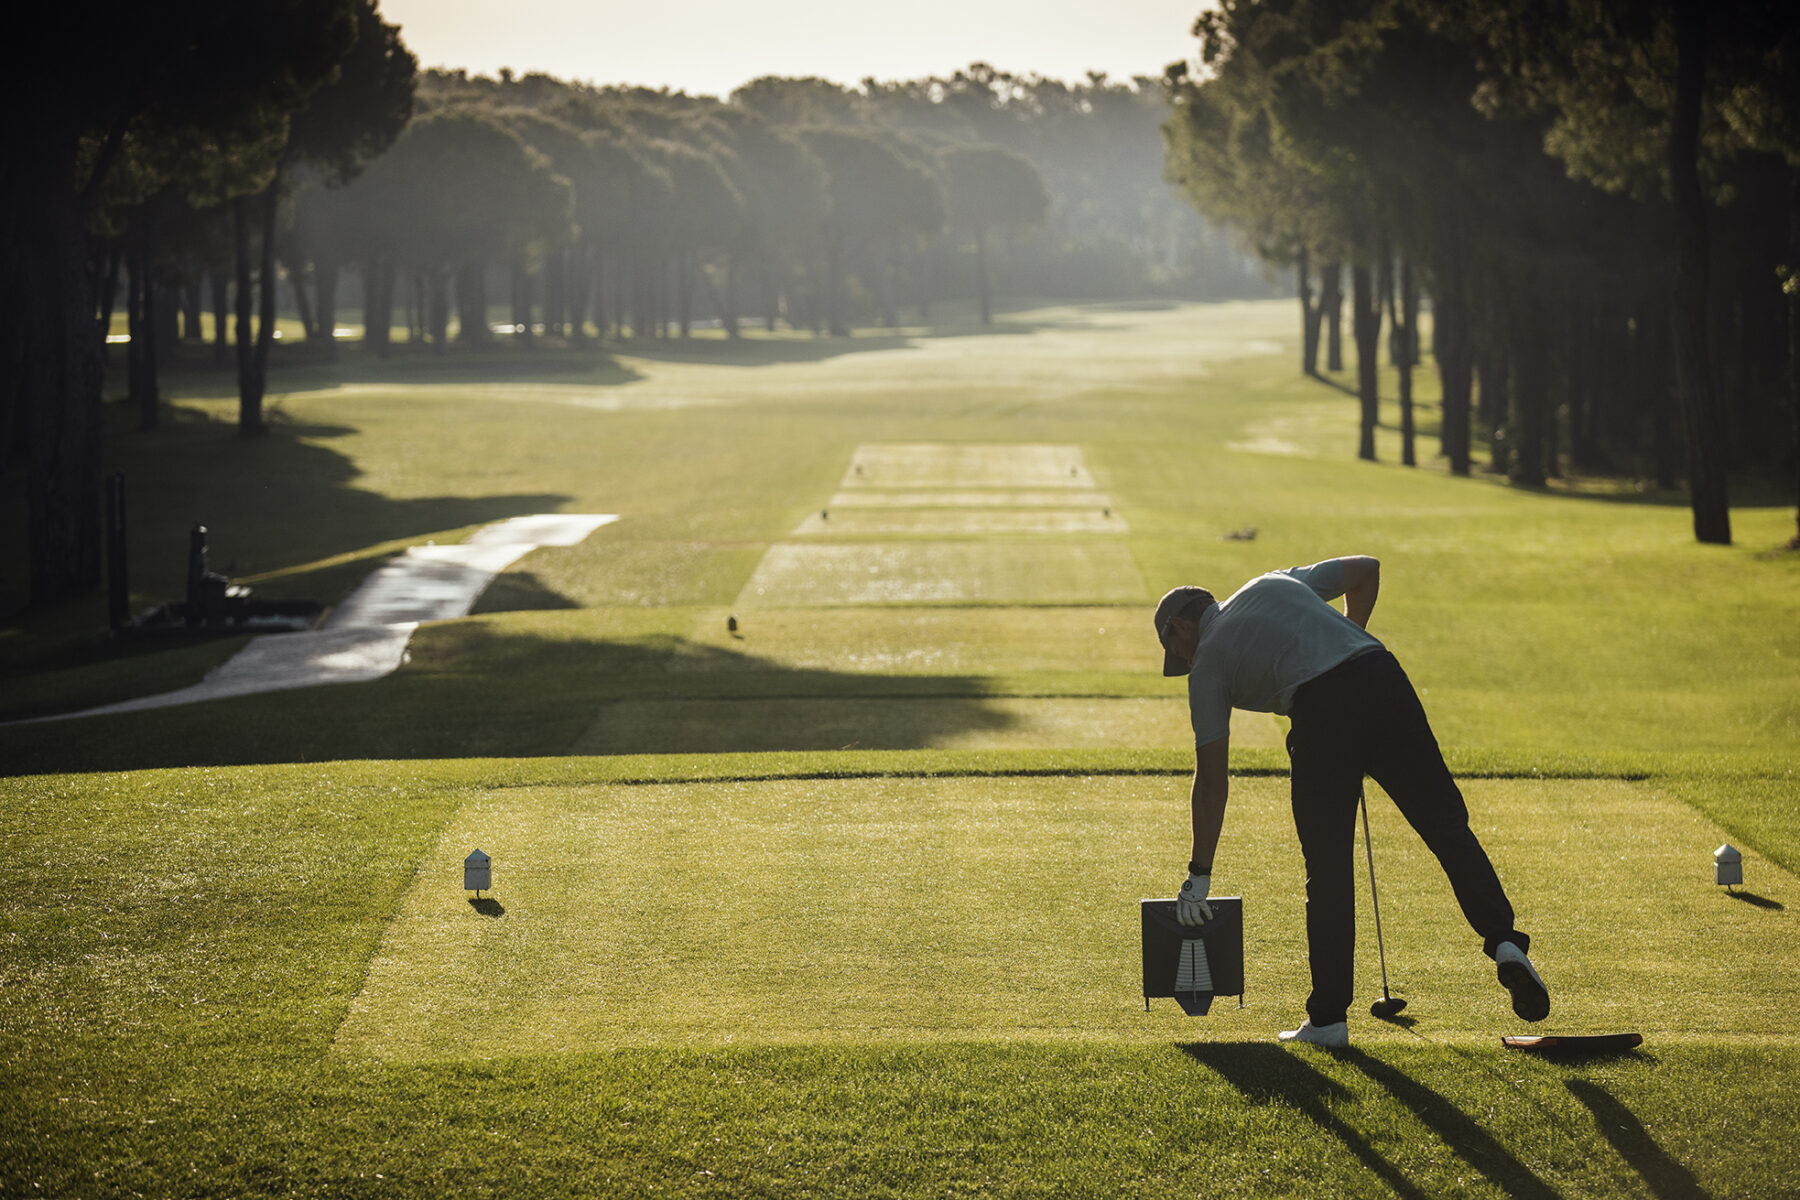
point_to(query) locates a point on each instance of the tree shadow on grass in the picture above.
(477, 689)
(1665, 1177)
(520, 591)
(1273, 1074)
(284, 508)
(1461, 1132)
(269, 503)
(1267, 1074)
(298, 369)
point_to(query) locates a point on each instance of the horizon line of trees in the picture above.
(631, 212)
(240, 150)
(1599, 200)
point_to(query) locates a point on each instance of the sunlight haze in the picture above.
(710, 46)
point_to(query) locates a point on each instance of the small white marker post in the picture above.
(478, 873)
(1728, 866)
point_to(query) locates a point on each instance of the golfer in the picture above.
(1278, 645)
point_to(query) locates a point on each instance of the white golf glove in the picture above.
(1191, 907)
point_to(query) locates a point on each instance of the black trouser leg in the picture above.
(1363, 717)
(1324, 798)
(1410, 769)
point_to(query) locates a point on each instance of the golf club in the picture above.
(1387, 1006)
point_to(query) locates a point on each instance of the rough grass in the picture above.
(731, 972)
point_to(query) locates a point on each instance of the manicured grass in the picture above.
(239, 961)
(830, 986)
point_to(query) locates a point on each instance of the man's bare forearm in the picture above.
(1206, 800)
(1362, 583)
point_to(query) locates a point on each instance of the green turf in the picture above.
(864, 925)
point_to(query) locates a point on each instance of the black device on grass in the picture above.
(1193, 963)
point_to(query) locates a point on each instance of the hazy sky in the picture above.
(712, 46)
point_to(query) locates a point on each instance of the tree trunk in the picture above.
(268, 284)
(1792, 287)
(437, 308)
(221, 301)
(471, 304)
(583, 267)
(1496, 385)
(192, 328)
(1365, 317)
(378, 306)
(309, 321)
(1406, 340)
(833, 264)
(728, 306)
(109, 287)
(1707, 483)
(1455, 359)
(1331, 311)
(1309, 321)
(556, 293)
(140, 310)
(687, 265)
(249, 393)
(50, 361)
(325, 281)
(1385, 305)
(1528, 332)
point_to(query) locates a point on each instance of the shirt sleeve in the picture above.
(1209, 703)
(1326, 579)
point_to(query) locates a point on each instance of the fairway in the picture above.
(822, 786)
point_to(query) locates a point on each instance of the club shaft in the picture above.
(1362, 799)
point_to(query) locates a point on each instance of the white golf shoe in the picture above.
(1335, 1036)
(1530, 998)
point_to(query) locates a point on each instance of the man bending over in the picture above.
(1278, 645)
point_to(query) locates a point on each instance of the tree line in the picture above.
(1599, 201)
(207, 158)
(622, 211)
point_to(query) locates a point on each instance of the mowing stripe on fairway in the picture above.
(956, 465)
(796, 576)
(962, 522)
(986, 498)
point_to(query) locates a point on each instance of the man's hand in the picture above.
(1191, 907)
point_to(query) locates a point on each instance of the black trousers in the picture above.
(1363, 717)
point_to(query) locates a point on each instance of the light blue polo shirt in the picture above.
(1272, 635)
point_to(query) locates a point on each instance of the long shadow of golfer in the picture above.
(1668, 1179)
(1459, 1131)
(1269, 1074)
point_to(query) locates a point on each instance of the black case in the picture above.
(1224, 939)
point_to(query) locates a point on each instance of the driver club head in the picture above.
(1386, 1007)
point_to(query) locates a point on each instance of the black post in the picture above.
(118, 588)
(196, 577)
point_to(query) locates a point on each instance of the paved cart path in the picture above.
(366, 636)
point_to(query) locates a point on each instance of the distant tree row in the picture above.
(1600, 198)
(629, 212)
